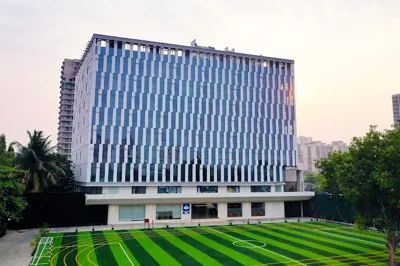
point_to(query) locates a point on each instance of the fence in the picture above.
(334, 209)
(60, 210)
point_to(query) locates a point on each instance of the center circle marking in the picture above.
(249, 244)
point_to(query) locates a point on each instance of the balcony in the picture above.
(66, 105)
(67, 97)
(64, 124)
(65, 101)
(66, 135)
(65, 130)
(67, 92)
(68, 84)
(65, 142)
(65, 118)
(67, 113)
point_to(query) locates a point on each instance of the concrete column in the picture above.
(301, 208)
(150, 212)
(222, 210)
(186, 217)
(246, 210)
(275, 209)
(113, 213)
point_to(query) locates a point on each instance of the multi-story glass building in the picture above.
(164, 131)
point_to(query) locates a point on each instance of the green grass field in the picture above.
(303, 243)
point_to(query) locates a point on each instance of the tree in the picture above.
(39, 160)
(312, 178)
(11, 190)
(368, 175)
(64, 183)
(6, 153)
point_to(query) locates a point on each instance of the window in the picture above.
(278, 188)
(169, 190)
(91, 190)
(138, 190)
(131, 213)
(234, 209)
(103, 43)
(168, 212)
(113, 190)
(258, 209)
(260, 188)
(233, 189)
(207, 189)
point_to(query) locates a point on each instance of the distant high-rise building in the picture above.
(301, 142)
(339, 146)
(396, 108)
(310, 151)
(67, 86)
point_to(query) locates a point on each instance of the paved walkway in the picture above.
(15, 247)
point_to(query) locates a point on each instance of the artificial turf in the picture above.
(297, 243)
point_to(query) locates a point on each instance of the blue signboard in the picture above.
(186, 208)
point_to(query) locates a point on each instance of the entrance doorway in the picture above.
(205, 211)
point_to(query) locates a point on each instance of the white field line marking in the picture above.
(113, 233)
(40, 255)
(129, 232)
(373, 243)
(83, 235)
(371, 234)
(36, 252)
(277, 254)
(91, 245)
(125, 253)
(332, 229)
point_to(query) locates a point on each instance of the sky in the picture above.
(346, 52)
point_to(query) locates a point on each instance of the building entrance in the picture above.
(205, 211)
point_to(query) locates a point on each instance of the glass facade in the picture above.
(233, 189)
(162, 114)
(234, 209)
(207, 189)
(139, 190)
(168, 212)
(131, 213)
(260, 188)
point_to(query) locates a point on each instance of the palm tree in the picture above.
(38, 158)
(6, 154)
